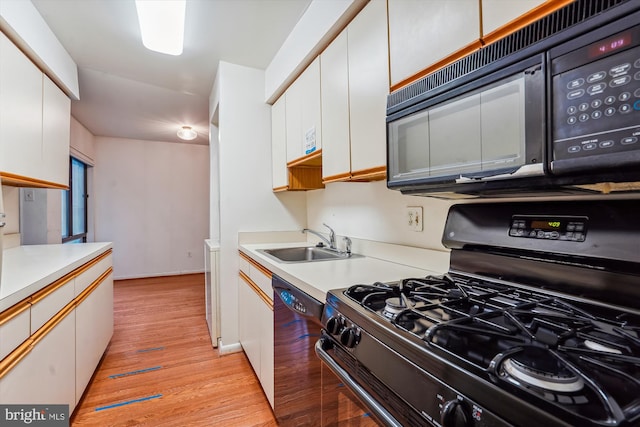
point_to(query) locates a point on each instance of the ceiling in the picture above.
(128, 91)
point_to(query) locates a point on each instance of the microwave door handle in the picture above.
(361, 393)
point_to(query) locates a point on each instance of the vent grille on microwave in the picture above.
(568, 16)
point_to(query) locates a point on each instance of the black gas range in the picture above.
(536, 323)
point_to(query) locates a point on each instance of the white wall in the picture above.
(369, 210)
(152, 201)
(247, 202)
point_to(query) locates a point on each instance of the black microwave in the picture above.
(555, 104)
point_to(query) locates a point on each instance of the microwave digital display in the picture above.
(614, 43)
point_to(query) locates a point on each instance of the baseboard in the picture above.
(144, 276)
(228, 348)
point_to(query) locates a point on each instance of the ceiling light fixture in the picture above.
(187, 133)
(162, 25)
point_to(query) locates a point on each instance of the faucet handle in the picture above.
(332, 236)
(347, 242)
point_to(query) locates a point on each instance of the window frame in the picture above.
(69, 204)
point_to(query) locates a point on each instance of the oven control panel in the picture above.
(573, 229)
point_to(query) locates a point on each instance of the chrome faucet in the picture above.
(331, 241)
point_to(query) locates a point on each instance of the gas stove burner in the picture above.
(393, 306)
(536, 367)
(592, 345)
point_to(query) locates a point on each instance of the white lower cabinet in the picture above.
(94, 328)
(256, 328)
(45, 375)
(55, 344)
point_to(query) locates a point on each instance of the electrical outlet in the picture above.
(414, 218)
(29, 195)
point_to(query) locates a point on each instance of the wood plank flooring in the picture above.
(160, 330)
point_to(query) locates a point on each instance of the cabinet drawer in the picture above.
(89, 276)
(14, 327)
(244, 266)
(45, 305)
(261, 279)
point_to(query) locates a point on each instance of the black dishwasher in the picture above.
(297, 369)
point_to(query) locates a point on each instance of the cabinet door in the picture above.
(56, 130)
(311, 110)
(279, 143)
(249, 305)
(368, 87)
(496, 13)
(46, 374)
(422, 32)
(303, 116)
(293, 115)
(266, 351)
(94, 328)
(334, 83)
(20, 112)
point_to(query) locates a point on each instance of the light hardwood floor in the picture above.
(160, 329)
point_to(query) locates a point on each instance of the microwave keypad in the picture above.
(597, 107)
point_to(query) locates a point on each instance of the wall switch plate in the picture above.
(414, 218)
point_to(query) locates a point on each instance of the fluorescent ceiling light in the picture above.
(162, 25)
(187, 133)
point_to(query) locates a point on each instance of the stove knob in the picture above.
(454, 414)
(350, 337)
(335, 325)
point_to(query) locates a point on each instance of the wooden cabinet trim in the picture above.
(461, 53)
(23, 349)
(264, 297)
(260, 267)
(280, 189)
(346, 176)
(522, 21)
(24, 181)
(513, 26)
(13, 358)
(311, 159)
(92, 287)
(44, 292)
(14, 310)
(372, 174)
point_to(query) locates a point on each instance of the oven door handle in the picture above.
(361, 393)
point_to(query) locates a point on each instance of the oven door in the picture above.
(343, 400)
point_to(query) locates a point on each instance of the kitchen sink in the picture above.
(305, 254)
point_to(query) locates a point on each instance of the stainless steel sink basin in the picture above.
(305, 254)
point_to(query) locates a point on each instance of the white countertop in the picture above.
(317, 278)
(27, 269)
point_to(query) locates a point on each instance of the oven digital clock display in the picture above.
(546, 225)
(549, 228)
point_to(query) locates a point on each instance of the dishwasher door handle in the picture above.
(360, 392)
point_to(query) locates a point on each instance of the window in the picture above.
(74, 204)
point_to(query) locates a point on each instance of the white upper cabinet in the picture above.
(20, 112)
(56, 133)
(303, 117)
(368, 88)
(422, 32)
(334, 72)
(35, 122)
(279, 144)
(496, 13)
(355, 85)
